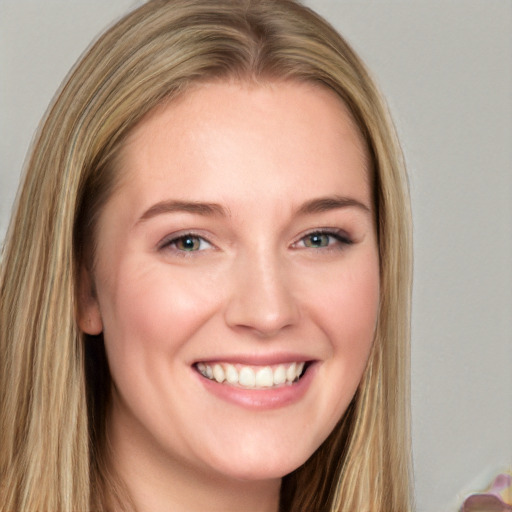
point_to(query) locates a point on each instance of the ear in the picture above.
(88, 310)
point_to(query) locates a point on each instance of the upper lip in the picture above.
(257, 359)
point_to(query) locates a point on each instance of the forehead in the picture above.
(284, 135)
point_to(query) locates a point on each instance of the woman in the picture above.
(206, 281)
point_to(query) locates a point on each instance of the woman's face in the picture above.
(236, 279)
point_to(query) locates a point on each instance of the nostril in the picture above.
(265, 317)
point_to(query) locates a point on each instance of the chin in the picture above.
(261, 464)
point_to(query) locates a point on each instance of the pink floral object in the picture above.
(498, 498)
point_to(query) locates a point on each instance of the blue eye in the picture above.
(324, 239)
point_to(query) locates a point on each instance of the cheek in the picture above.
(147, 308)
(357, 303)
(346, 309)
(347, 305)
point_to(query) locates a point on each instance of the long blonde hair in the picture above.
(52, 411)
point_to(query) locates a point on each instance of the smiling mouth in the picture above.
(253, 377)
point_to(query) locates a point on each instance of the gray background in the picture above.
(445, 68)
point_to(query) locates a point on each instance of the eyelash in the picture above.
(340, 238)
(171, 243)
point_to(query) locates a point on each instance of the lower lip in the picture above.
(271, 398)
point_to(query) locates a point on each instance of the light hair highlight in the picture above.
(53, 446)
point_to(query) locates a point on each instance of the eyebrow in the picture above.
(325, 204)
(318, 205)
(172, 206)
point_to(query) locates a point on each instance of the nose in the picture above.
(261, 299)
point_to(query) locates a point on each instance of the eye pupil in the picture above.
(188, 243)
(317, 240)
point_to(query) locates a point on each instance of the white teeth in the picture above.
(247, 377)
(205, 369)
(265, 377)
(218, 373)
(291, 372)
(231, 374)
(280, 375)
(252, 377)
